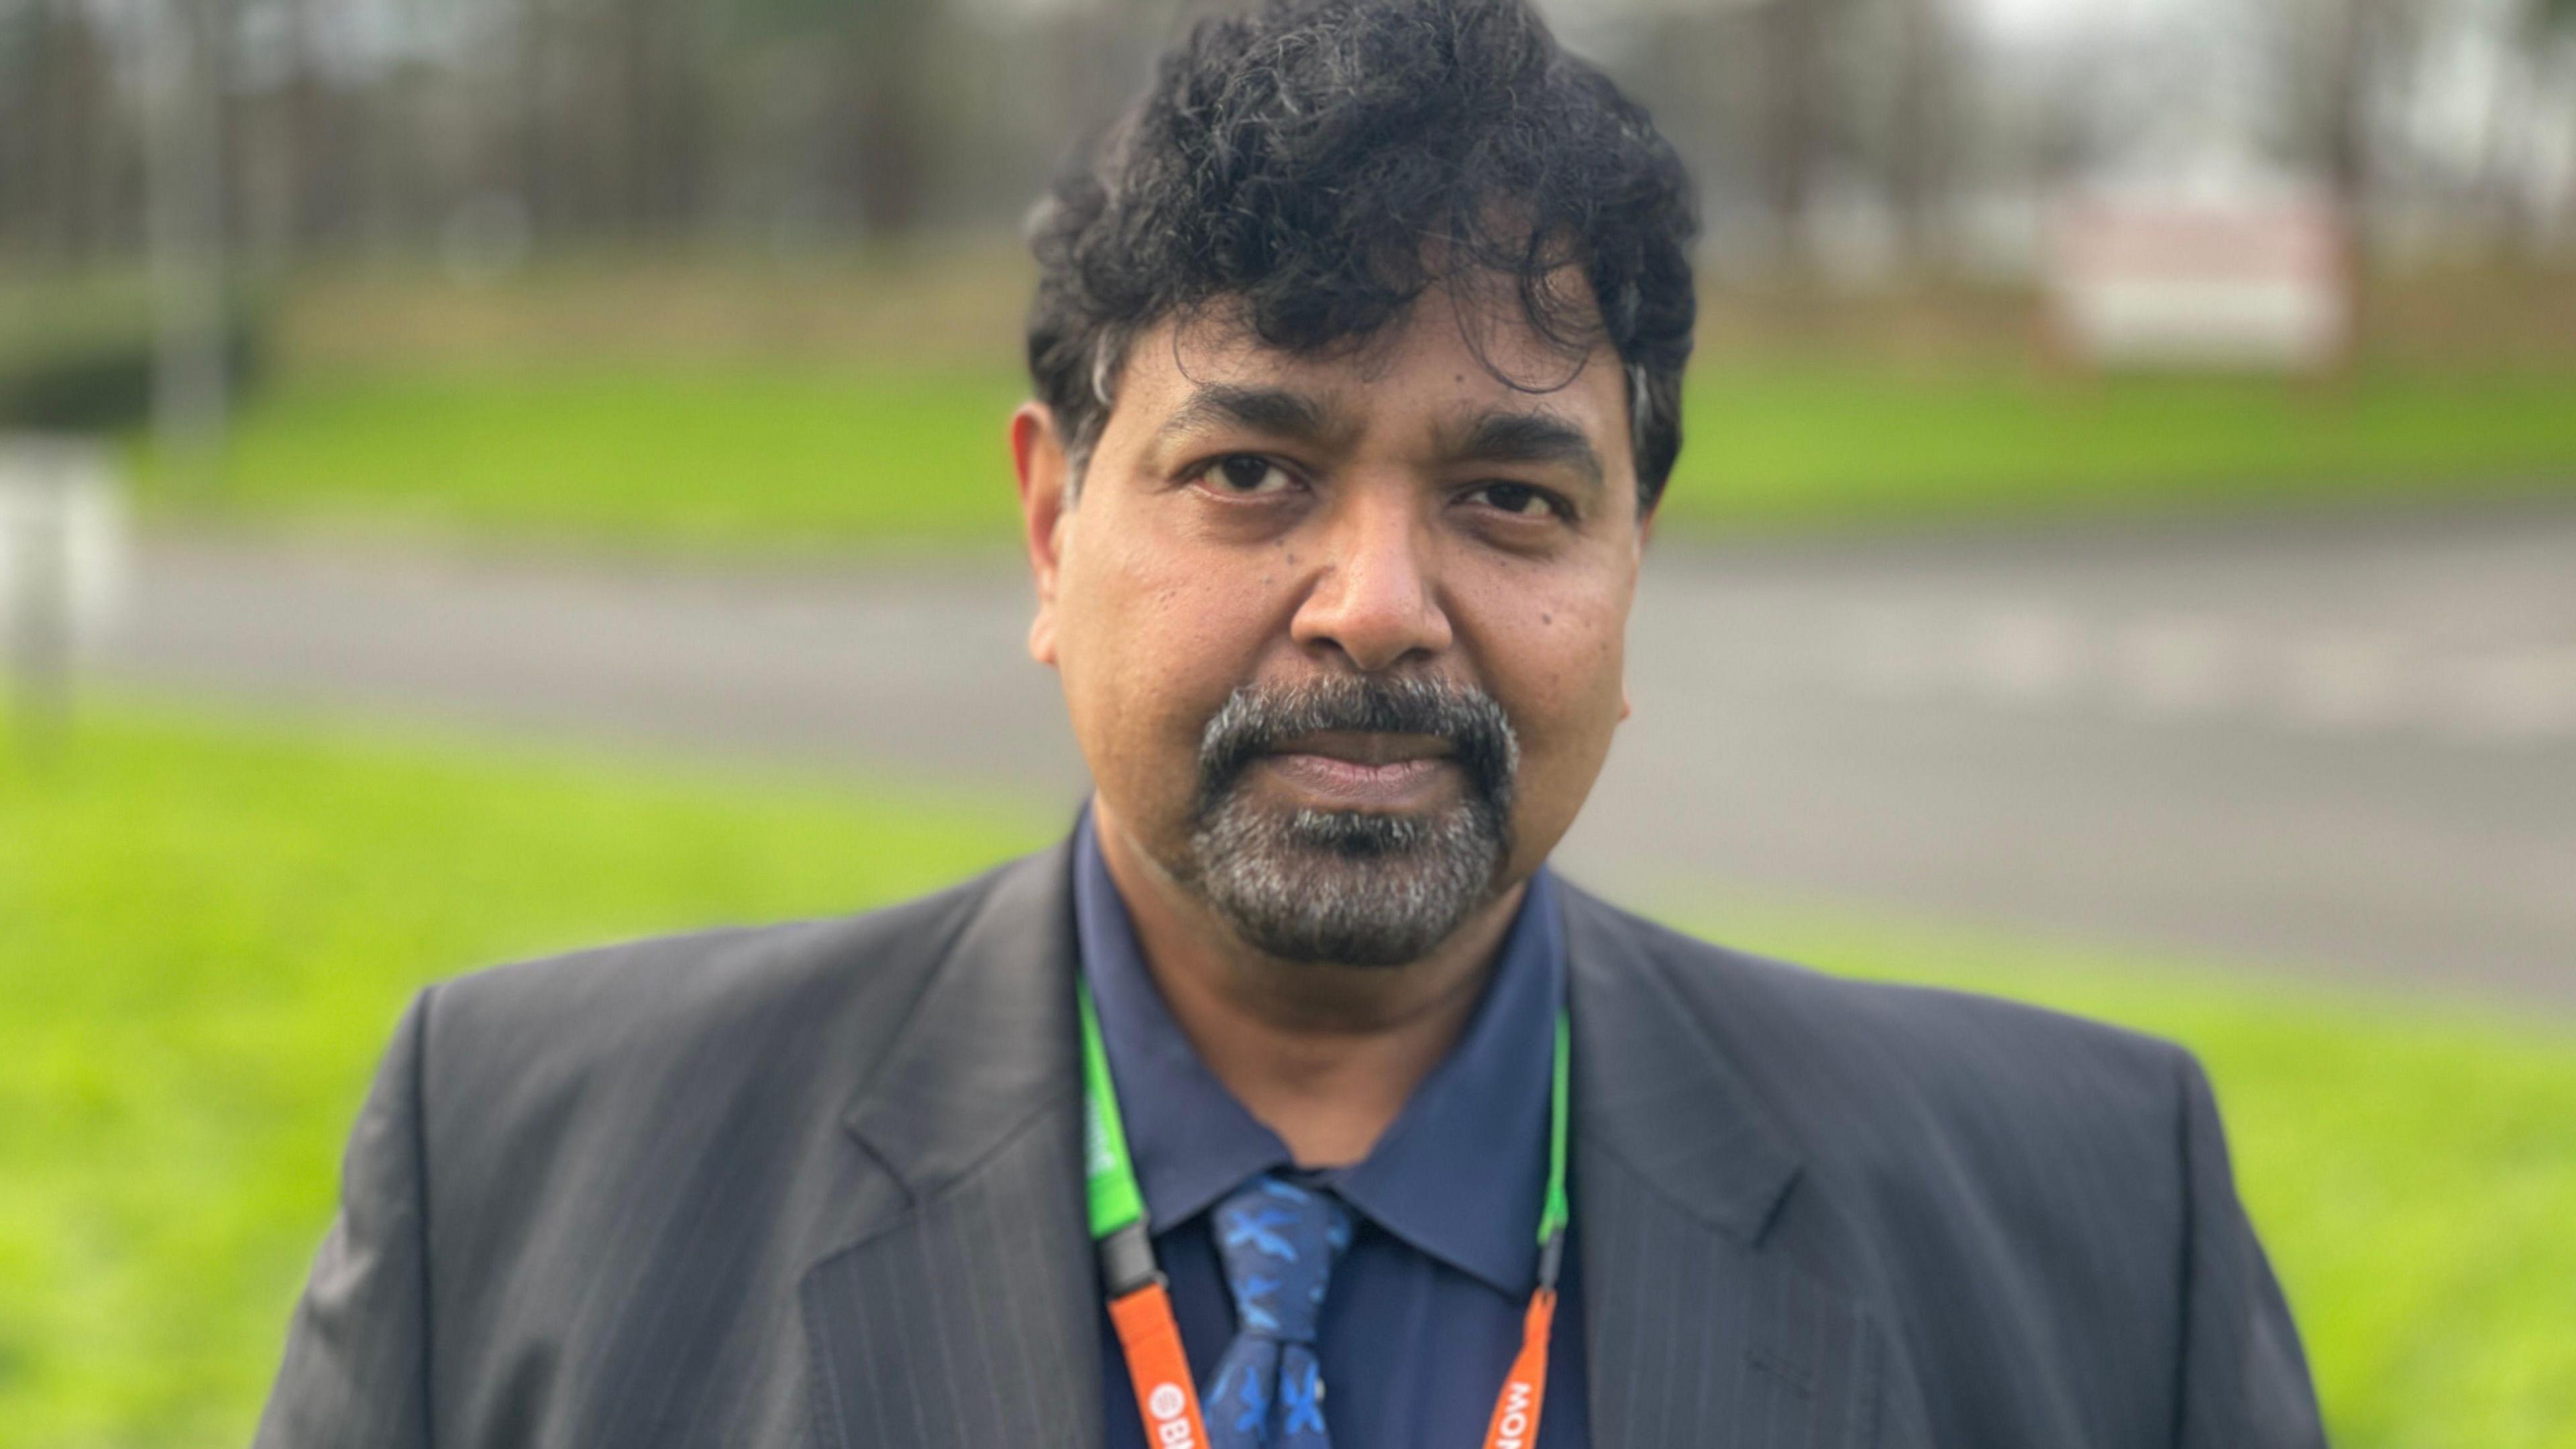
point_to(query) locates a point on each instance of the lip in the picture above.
(1365, 747)
(1337, 780)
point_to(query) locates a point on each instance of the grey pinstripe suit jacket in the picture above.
(819, 1185)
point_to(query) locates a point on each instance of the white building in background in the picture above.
(2215, 262)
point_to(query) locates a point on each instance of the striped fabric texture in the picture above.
(820, 1185)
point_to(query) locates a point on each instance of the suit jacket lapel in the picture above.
(965, 1310)
(1700, 1329)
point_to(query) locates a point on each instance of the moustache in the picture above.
(1257, 720)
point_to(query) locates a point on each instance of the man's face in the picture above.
(1342, 636)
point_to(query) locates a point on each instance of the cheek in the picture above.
(1554, 650)
(1154, 635)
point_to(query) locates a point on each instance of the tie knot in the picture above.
(1279, 1241)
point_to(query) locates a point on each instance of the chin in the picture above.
(1349, 887)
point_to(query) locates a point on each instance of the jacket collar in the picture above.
(1714, 1292)
(962, 1308)
(1653, 1087)
(991, 1042)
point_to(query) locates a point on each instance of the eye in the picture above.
(1246, 475)
(1522, 500)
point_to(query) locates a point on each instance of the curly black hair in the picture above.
(1324, 162)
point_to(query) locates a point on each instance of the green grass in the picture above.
(1822, 445)
(208, 925)
(206, 931)
(815, 454)
(718, 457)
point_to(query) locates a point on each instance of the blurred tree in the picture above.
(58, 171)
(2527, 50)
(405, 125)
(187, 67)
(1922, 129)
(1798, 101)
(660, 61)
(2556, 31)
(877, 122)
(885, 119)
(315, 162)
(532, 146)
(2344, 62)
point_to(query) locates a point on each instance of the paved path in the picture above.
(2349, 747)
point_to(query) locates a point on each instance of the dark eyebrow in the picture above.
(1524, 437)
(1275, 411)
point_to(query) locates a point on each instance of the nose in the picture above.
(1375, 600)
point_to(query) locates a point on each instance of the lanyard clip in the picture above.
(1551, 1256)
(1127, 1260)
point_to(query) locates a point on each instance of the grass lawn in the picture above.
(206, 931)
(715, 457)
(821, 454)
(1822, 444)
(208, 925)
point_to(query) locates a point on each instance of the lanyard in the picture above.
(1140, 1308)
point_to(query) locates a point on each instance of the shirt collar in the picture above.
(1458, 1175)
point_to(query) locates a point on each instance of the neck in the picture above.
(1323, 1055)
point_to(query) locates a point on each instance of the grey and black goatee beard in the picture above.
(1351, 887)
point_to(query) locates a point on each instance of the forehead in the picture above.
(1447, 357)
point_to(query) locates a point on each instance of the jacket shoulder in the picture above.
(1909, 1101)
(797, 1004)
(1965, 1161)
(1939, 1047)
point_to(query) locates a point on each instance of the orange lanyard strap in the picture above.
(1158, 1368)
(1515, 1422)
(1140, 1305)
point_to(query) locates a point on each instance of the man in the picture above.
(1357, 354)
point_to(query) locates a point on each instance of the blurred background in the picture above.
(479, 477)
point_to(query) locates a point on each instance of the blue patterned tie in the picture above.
(1279, 1243)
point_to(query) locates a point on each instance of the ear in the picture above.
(1627, 706)
(1037, 452)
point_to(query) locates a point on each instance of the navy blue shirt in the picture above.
(1423, 1315)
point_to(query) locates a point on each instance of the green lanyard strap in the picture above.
(1115, 1200)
